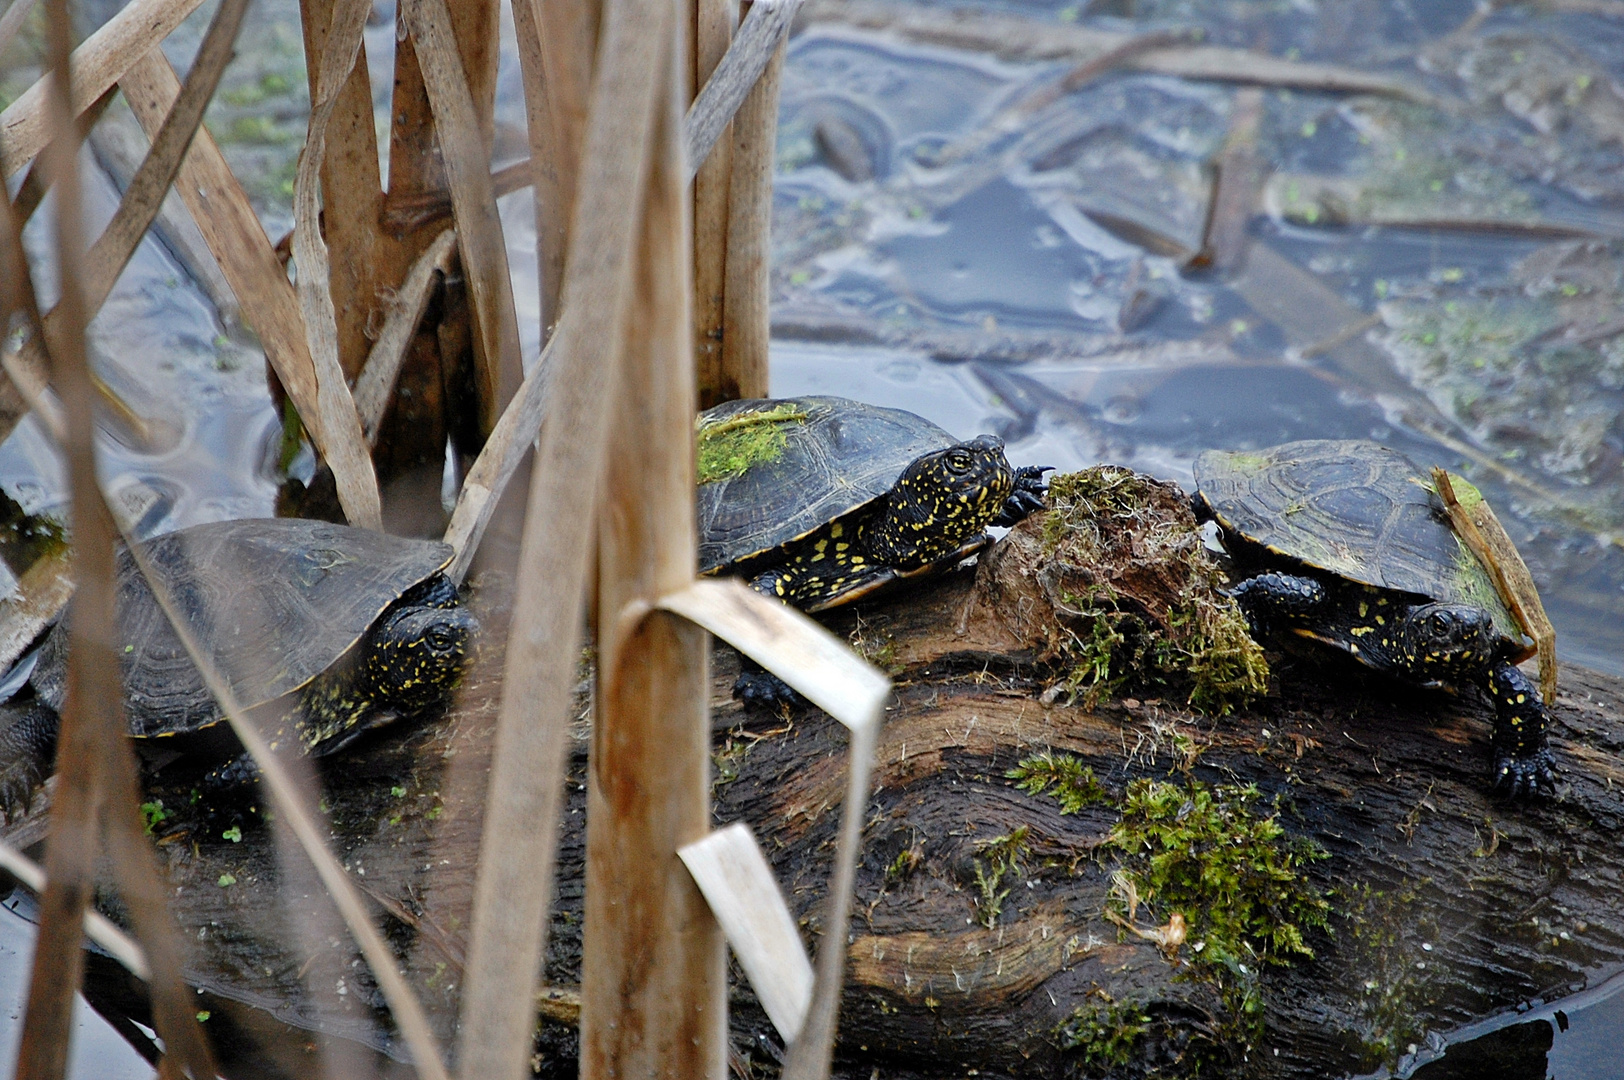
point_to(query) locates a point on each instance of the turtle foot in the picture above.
(229, 778)
(764, 688)
(27, 747)
(1027, 497)
(1526, 776)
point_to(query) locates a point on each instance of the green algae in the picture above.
(729, 447)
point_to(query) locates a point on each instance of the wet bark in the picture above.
(1448, 905)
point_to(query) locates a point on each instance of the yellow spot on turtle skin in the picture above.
(1364, 609)
(1521, 698)
(1380, 621)
(1353, 648)
(1361, 631)
(1381, 601)
(841, 547)
(836, 529)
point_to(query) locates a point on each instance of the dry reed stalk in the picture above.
(466, 155)
(90, 714)
(346, 448)
(16, 295)
(714, 23)
(653, 961)
(12, 21)
(232, 230)
(412, 213)
(119, 149)
(352, 193)
(736, 75)
(113, 248)
(825, 671)
(514, 881)
(555, 51)
(32, 191)
(747, 316)
(500, 457)
(95, 765)
(376, 383)
(123, 948)
(98, 63)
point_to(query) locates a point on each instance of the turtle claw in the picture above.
(17, 784)
(27, 747)
(764, 688)
(1028, 495)
(1524, 777)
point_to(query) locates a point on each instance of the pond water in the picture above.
(1437, 267)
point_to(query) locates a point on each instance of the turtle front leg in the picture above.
(755, 684)
(1027, 497)
(27, 748)
(1273, 599)
(1523, 765)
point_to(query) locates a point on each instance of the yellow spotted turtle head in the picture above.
(941, 500)
(1442, 640)
(416, 654)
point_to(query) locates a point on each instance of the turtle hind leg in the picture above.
(28, 733)
(1523, 764)
(1274, 599)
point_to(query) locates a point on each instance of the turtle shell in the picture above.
(274, 601)
(1355, 509)
(826, 457)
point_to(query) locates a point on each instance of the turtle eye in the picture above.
(959, 461)
(440, 640)
(1440, 626)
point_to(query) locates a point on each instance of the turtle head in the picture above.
(416, 655)
(1442, 641)
(941, 500)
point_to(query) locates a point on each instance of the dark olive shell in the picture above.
(836, 458)
(1355, 509)
(274, 602)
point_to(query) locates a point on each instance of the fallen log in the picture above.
(1069, 870)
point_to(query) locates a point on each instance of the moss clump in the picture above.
(1064, 776)
(1107, 1032)
(1140, 598)
(729, 447)
(1239, 880)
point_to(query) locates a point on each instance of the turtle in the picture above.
(1345, 542)
(818, 501)
(339, 630)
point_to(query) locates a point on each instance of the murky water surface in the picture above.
(1438, 269)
